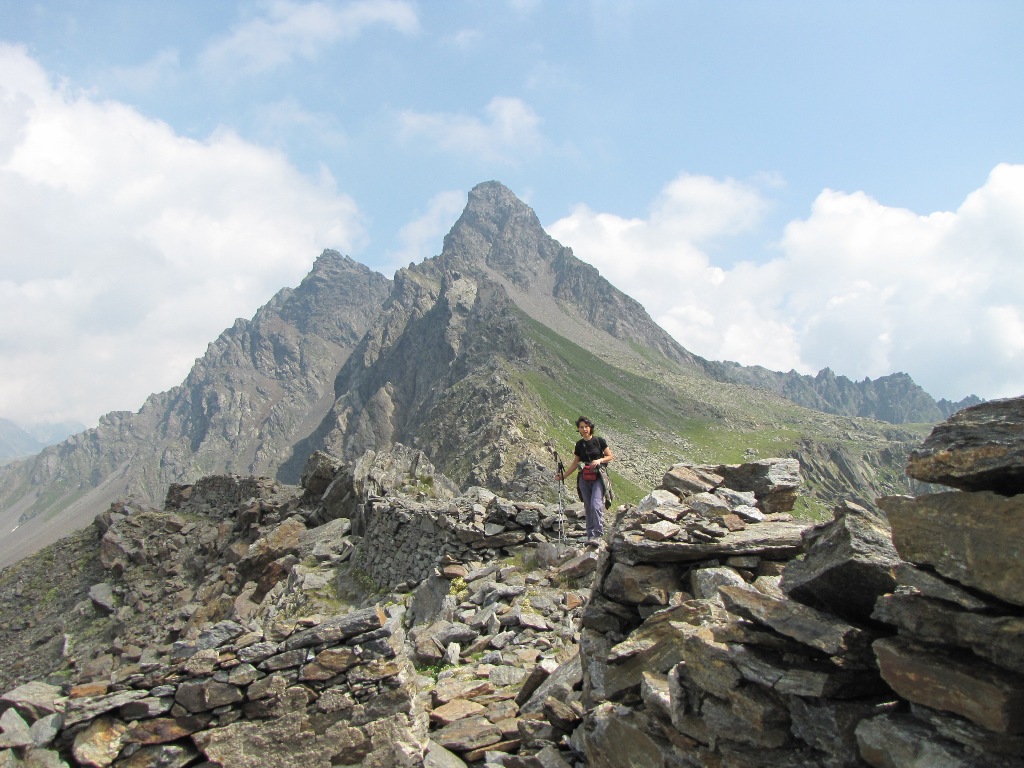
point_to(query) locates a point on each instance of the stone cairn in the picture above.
(859, 652)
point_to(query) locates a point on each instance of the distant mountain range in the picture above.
(18, 442)
(482, 357)
(894, 398)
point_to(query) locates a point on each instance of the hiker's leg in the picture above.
(594, 506)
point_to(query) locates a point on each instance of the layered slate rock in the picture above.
(958, 605)
(849, 563)
(977, 449)
(972, 539)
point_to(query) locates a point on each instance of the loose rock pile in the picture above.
(209, 628)
(339, 692)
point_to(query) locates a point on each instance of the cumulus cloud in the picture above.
(127, 248)
(857, 286)
(508, 129)
(293, 30)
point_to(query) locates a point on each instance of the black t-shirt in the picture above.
(590, 450)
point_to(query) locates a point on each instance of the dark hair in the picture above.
(585, 420)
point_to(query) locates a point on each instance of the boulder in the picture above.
(848, 563)
(641, 584)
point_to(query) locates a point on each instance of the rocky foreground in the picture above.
(377, 617)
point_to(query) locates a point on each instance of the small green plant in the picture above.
(523, 559)
(458, 588)
(432, 670)
(364, 580)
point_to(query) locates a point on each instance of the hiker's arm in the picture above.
(572, 467)
(606, 458)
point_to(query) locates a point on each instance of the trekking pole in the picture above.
(561, 493)
(561, 499)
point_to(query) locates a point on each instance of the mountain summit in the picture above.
(260, 387)
(481, 357)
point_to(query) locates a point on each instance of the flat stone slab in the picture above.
(986, 695)
(772, 540)
(806, 625)
(976, 539)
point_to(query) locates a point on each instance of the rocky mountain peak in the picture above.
(498, 232)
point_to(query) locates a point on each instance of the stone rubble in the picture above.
(376, 617)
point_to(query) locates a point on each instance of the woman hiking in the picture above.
(592, 452)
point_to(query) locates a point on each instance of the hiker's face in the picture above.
(585, 430)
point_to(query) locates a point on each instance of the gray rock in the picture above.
(704, 582)
(45, 729)
(772, 540)
(685, 480)
(14, 731)
(467, 734)
(972, 538)
(901, 741)
(999, 639)
(848, 564)
(980, 448)
(615, 737)
(35, 699)
(161, 756)
(102, 596)
(641, 584)
(984, 694)
(437, 756)
(90, 707)
(339, 628)
(816, 629)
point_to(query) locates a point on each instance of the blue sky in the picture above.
(796, 184)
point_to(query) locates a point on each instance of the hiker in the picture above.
(592, 452)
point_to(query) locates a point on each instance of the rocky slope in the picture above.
(376, 616)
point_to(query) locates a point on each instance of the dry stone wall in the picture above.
(402, 542)
(338, 692)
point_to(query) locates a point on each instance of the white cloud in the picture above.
(857, 286)
(292, 30)
(510, 128)
(420, 238)
(127, 248)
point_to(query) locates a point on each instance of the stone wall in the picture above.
(403, 541)
(958, 657)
